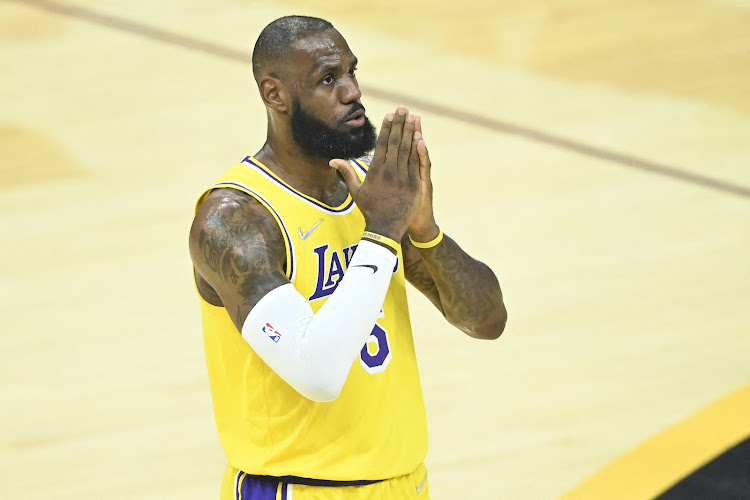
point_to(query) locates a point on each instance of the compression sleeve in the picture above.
(314, 353)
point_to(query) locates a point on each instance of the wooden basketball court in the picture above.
(595, 154)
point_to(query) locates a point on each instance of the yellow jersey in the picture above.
(376, 429)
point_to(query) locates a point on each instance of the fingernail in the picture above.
(410, 118)
(402, 110)
(417, 135)
(389, 117)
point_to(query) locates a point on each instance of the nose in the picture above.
(350, 91)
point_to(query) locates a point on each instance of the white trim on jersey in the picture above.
(252, 162)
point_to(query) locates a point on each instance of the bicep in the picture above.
(418, 275)
(237, 248)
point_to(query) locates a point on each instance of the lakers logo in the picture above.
(331, 268)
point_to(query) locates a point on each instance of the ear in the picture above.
(274, 93)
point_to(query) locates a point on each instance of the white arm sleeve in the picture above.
(314, 353)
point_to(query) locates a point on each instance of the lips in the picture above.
(356, 119)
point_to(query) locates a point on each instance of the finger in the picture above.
(407, 140)
(414, 167)
(394, 139)
(350, 176)
(425, 165)
(381, 145)
(424, 158)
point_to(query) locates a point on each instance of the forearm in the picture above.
(468, 292)
(314, 353)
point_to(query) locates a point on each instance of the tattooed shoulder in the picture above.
(236, 245)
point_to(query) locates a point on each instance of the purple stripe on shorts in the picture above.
(252, 489)
(284, 490)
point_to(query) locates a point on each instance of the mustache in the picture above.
(357, 106)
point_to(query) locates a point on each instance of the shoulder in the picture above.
(237, 251)
(231, 219)
(229, 204)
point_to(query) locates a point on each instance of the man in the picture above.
(301, 254)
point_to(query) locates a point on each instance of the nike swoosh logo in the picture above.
(371, 266)
(419, 488)
(305, 235)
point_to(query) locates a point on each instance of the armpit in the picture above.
(206, 291)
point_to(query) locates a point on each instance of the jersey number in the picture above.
(376, 354)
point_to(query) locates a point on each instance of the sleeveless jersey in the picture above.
(376, 428)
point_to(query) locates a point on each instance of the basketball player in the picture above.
(301, 254)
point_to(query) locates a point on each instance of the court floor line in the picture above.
(224, 52)
(662, 460)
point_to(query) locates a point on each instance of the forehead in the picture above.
(321, 50)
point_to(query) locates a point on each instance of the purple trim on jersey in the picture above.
(254, 489)
(286, 233)
(361, 167)
(312, 201)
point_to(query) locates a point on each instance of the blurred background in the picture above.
(595, 154)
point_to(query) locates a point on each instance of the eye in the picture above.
(353, 72)
(328, 79)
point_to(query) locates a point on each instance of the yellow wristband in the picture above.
(429, 244)
(379, 238)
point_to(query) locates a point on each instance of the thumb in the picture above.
(424, 159)
(347, 172)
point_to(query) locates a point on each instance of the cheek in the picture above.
(323, 101)
(323, 104)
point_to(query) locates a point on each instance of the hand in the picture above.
(423, 227)
(389, 196)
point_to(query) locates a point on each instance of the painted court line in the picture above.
(650, 468)
(224, 52)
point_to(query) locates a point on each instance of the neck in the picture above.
(309, 175)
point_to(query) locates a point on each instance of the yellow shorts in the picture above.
(239, 486)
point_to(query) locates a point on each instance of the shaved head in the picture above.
(272, 49)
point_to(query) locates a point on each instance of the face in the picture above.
(328, 120)
(316, 138)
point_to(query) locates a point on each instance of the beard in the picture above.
(318, 139)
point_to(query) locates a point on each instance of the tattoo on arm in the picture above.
(238, 249)
(467, 291)
(416, 272)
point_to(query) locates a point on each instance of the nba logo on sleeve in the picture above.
(271, 332)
